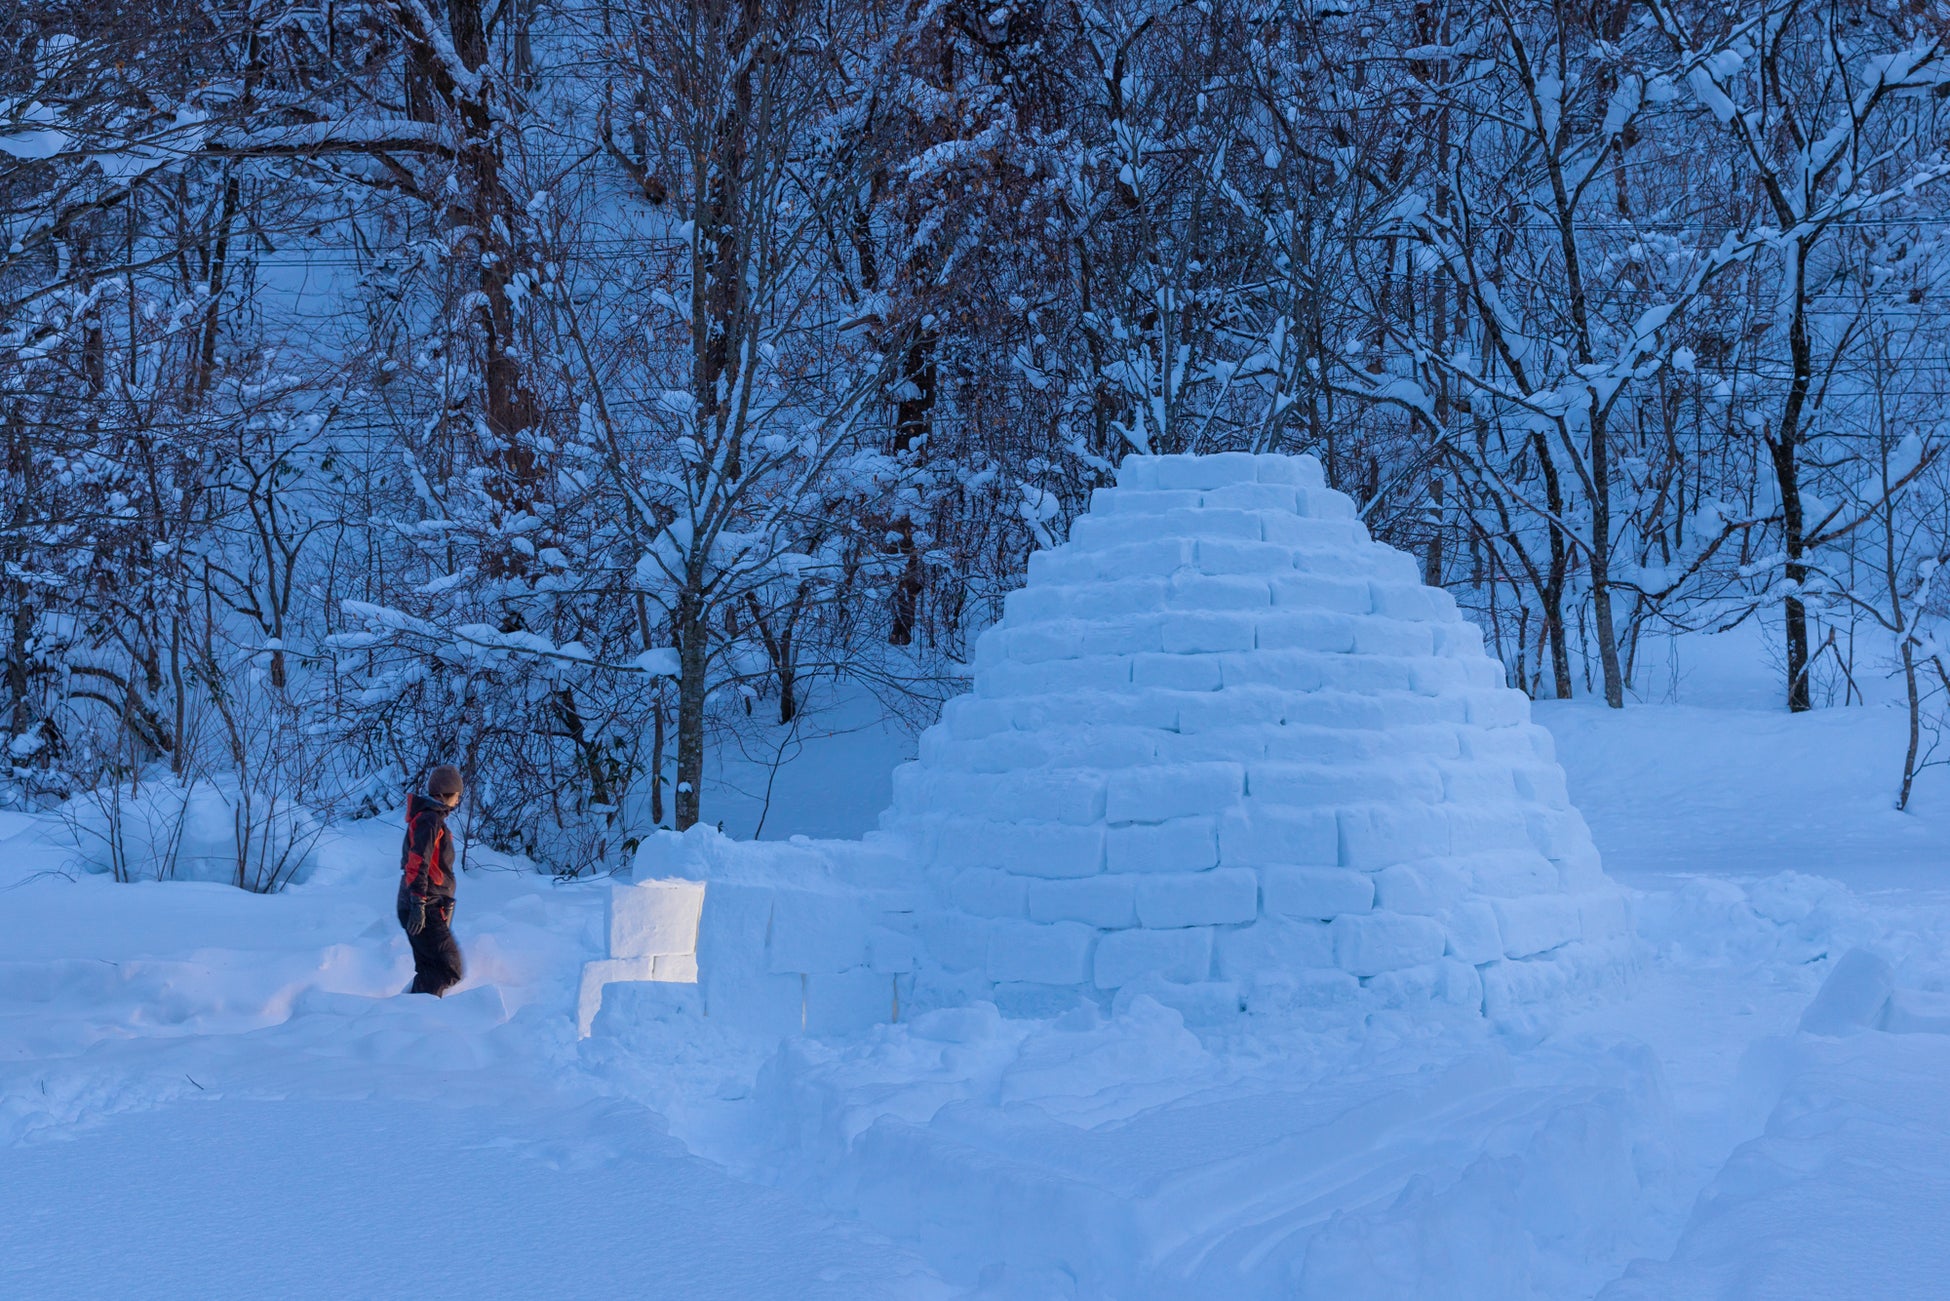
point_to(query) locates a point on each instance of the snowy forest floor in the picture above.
(210, 1094)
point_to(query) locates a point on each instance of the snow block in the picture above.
(1233, 556)
(652, 917)
(1071, 795)
(891, 952)
(1202, 472)
(1425, 888)
(816, 932)
(1253, 496)
(1535, 924)
(1051, 677)
(1299, 471)
(1226, 894)
(1542, 784)
(733, 926)
(1232, 708)
(1180, 845)
(1106, 902)
(1400, 640)
(1125, 956)
(1477, 783)
(1327, 504)
(1057, 953)
(1160, 794)
(1312, 531)
(1306, 785)
(1510, 987)
(1318, 592)
(1460, 639)
(1316, 892)
(1280, 991)
(1175, 672)
(1372, 943)
(1047, 849)
(1325, 633)
(1274, 945)
(1205, 522)
(1202, 1002)
(849, 1002)
(1853, 998)
(1374, 836)
(1141, 501)
(1260, 833)
(1200, 592)
(954, 939)
(1497, 707)
(989, 892)
(1446, 982)
(602, 972)
(1490, 830)
(1413, 601)
(1473, 934)
(1579, 871)
(1204, 632)
(1604, 917)
(1558, 833)
(1917, 1011)
(675, 968)
(754, 1001)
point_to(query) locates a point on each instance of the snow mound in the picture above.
(1226, 750)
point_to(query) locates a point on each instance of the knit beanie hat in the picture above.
(444, 781)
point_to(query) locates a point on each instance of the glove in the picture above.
(416, 915)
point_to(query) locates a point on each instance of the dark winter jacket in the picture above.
(427, 858)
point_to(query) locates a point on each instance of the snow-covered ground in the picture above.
(205, 1093)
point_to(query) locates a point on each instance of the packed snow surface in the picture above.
(210, 1094)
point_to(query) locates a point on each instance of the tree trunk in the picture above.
(1915, 720)
(1553, 590)
(913, 422)
(693, 658)
(657, 764)
(1785, 451)
(1601, 561)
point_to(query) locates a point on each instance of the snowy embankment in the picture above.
(205, 1093)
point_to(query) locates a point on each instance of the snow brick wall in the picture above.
(1222, 749)
(1225, 749)
(769, 937)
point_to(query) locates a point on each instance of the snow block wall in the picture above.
(1225, 749)
(766, 937)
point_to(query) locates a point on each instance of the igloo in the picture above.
(1223, 749)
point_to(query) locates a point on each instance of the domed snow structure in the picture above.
(1223, 749)
(1226, 749)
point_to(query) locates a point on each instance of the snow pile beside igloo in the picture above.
(1225, 749)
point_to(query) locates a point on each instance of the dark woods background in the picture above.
(572, 387)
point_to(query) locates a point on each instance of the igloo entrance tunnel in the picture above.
(1222, 748)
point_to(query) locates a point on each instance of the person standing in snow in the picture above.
(426, 888)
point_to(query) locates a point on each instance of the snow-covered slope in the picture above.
(213, 1095)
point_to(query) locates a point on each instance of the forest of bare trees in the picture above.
(566, 384)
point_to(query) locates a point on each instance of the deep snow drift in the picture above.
(209, 1094)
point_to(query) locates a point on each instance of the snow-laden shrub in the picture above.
(164, 829)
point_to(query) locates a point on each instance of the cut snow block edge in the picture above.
(1222, 742)
(772, 939)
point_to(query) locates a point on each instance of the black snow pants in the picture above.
(437, 965)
